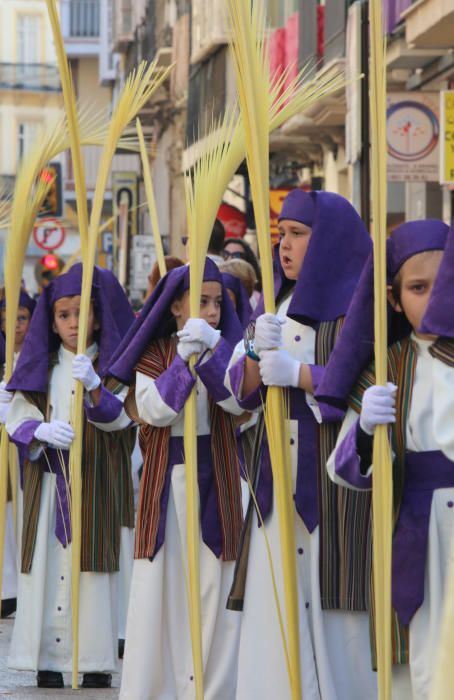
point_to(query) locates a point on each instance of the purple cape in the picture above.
(439, 316)
(156, 314)
(112, 310)
(355, 346)
(336, 254)
(27, 302)
(243, 305)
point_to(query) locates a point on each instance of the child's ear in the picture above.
(54, 328)
(96, 325)
(395, 304)
(175, 308)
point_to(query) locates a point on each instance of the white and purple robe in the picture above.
(424, 531)
(158, 655)
(42, 634)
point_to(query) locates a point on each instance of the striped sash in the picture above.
(401, 371)
(154, 444)
(107, 492)
(345, 547)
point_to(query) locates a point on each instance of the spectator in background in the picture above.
(238, 248)
(155, 276)
(216, 244)
(237, 267)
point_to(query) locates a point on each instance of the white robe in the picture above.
(158, 656)
(12, 533)
(42, 634)
(430, 427)
(325, 674)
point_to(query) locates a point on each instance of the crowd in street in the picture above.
(138, 373)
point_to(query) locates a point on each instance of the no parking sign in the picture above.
(49, 234)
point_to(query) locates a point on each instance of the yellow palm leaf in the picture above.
(382, 494)
(204, 190)
(29, 195)
(70, 102)
(255, 90)
(139, 87)
(300, 94)
(151, 201)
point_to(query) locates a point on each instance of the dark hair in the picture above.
(169, 323)
(249, 256)
(216, 243)
(396, 288)
(154, 276)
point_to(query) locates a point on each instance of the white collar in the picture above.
(65, 355)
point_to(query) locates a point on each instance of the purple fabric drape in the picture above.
(425, 472)
(392, 10)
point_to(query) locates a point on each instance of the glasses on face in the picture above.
(237, 254)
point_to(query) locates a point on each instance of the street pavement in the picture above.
(22, 685)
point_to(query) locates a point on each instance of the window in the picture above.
(28, 38)
(207, 94)
(26, 136)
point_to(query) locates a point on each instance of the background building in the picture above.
(325, 147)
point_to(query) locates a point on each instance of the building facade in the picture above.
(30, 93)
(325, 147)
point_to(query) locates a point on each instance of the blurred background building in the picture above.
(327, 147)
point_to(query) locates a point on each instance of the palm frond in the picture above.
(204, 190)
(149, 191)
(257, 98)
(70, 102)
(382, 492)
(139, 87)
(284, 103)
(29, 195)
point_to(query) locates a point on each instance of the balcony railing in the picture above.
(206, 95)
(208, 29)
(84, 18)
(124, 25)
(35, 77)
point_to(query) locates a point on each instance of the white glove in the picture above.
(279, 368)
(84, 372)
(268, 333)
(378, 407)
(57, 433)
(5, 396)
(186, 348)
(5, 400)
(196, 329)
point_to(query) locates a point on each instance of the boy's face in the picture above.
(418, 275)
(22, 324)
(66, 322)
(210, 305)
(294, 238)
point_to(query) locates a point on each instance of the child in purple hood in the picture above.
(39, 423)
(154, 359)
(417, 403)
